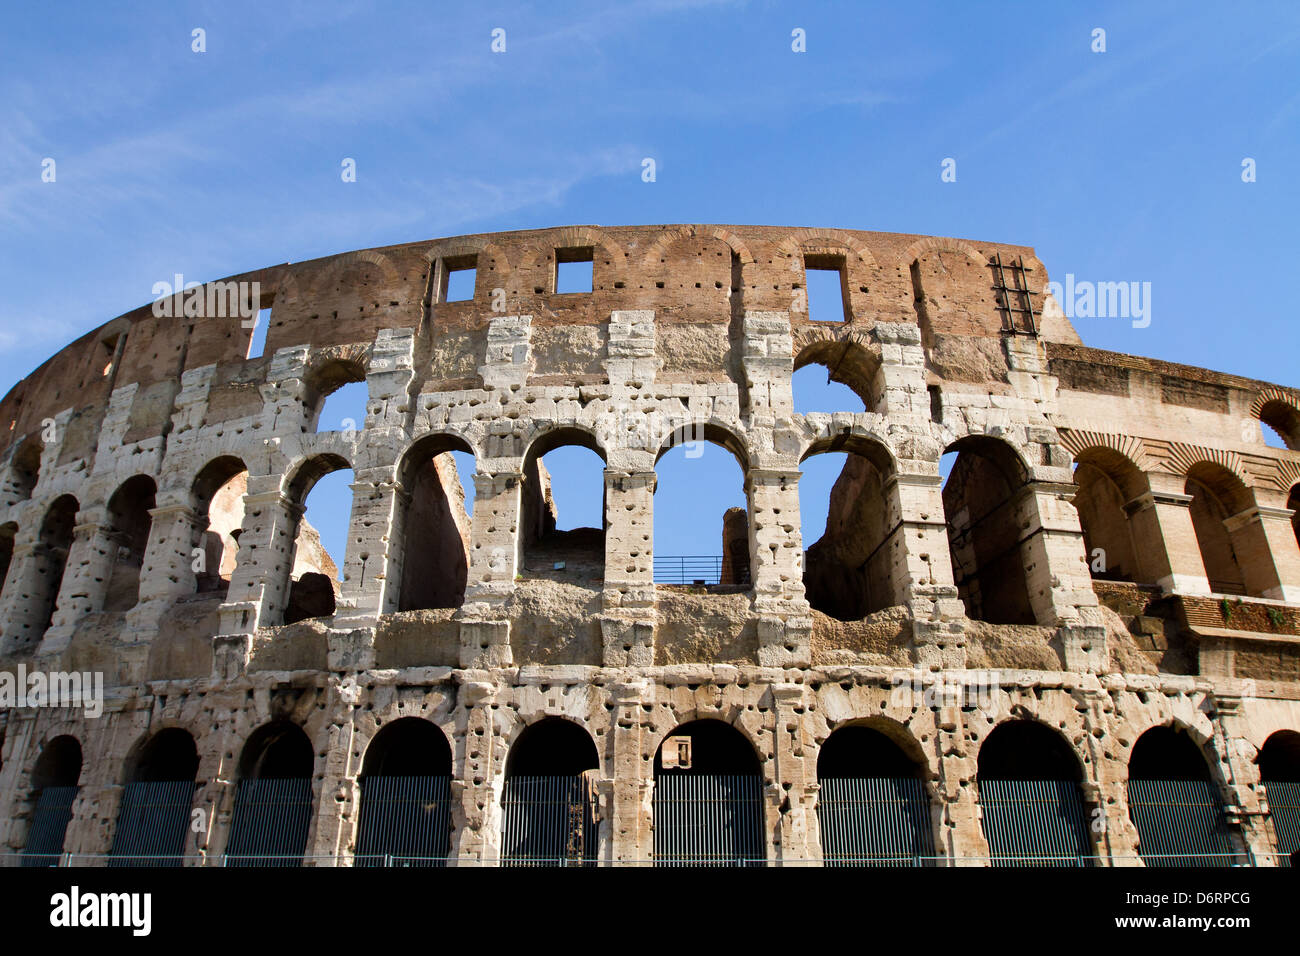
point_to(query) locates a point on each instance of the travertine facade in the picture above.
(1158, 583)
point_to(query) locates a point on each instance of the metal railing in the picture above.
(49, 824)
(698, 569)
(1179, 823)
(548, 821)
(152, 823)
(404, 819)
(1034, 822)
(1284, 806)
(708, 820)
(270, 823)
(874, 821)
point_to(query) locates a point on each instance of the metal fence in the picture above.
(152, 824)
(1284, 805)
(1034, 822)
(1180, 823)
(708, 820)
(699, 569)
(270, 822)
(404, 821)
(49, 823)
(549, 821)
(874, 821)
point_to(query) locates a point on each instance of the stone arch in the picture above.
(1108, 481)
(852, 360)
(273, 797)
(405, 804)
(129, 524)
(54, 542)
(803, 242)
(849, 572)
(548, 798)
(1279, 409)
(670, 236)
(217, 496)
(314, 591)
(1218, 495)
(980, 501)
(55, 776)
(341, 264)
(1032, 809)
(329, 369)
(580, 551)
(25, 467)
(153, 819)
(432, 530)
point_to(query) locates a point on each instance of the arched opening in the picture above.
(1217, 495)
(405, 782)
(218, 492)
(434, 527)
(323, 489)
(980, 500)
(8, 531)
(563, 533)
(128, 535)
(836, 377)
(1175, 804)
(54, 788)
(153, 821)
(51, 559)
(701, 513)
(25, 469)
(708, 798)
(1107, 481)
(848, 570)
(1279, 770)
(1293, 504)
(336, 396)
(549, 801)
(872, 806)
(1282, 419)
(272, 813)
(1031, 806)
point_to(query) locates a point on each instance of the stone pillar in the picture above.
(1265, 543)
(476, 807)
(168, 570)
(22, 615)
(85, 580)
(632, 831)
(900, 383)
(1165, 539)
(961, 834)
(796, 775)
(372, 578)
(776, 568)
(628, 599)
(339, 796)
(1056, 566)
(495, 541)
(1243, 795)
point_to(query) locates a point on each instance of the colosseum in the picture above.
(1079, 647)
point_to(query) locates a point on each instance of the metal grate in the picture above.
(271, 822)
(1284, 806)
(49, 824)
(1014, 300)
(549, 821)
(405, 821)
(701, 569)
(874, 821)
(708, 820)
(152, 824)
(1180, 823)
(1034, 822)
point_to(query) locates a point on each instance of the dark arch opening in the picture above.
(51, 561)
(701, 510)
(7, 533)
(25, 468)
(848, 570)
(168, 755)
(278, 751)
(1279, 769)
(218, 493)
(1279, 758)
(53, 790)
(405, 817)
(129, 522)
(980, 498)
(1293, 504)
(153, 821)
(578, 553)
(1284, 419)
(1175, 804)
(872, 805)
(1107, 482)
(1217, 495)
(548, 802)
(320, 533)
(435, 526)
(272, 816)
(1031, 803)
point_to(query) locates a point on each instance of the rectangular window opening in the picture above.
(827, 295)
(456, 279)
(257, 341)
(573, 270)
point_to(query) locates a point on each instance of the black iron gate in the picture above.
(549, 821)
(271, 822)
(1284, 807)
(708, 820)
(1034, 822)
(1180, 823)
(874, 821)
(405, 821)
(49, 824)
(152, 824)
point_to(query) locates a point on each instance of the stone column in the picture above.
(1165, 539)
(22, 617)
(961, 834)
(796, 775)
(1056, 566)
(339, 798)
(628, 599)
(632, 831)
(372, 578)
(168, 570)
(1243, 793)
(476, 806)
(776, 567)
(85, 580)
(1265, 543)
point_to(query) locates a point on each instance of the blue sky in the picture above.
(1122, 165)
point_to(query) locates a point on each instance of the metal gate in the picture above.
(1180, 823)
(271, 821)
(874, 821)
(708, 820)
(405, 821)
(49, 824)
(152, 824)
(549, 821)
(1284, 807)
(1034, 822)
